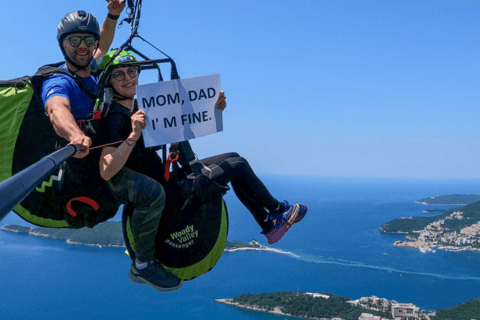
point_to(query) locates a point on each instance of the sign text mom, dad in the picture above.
(180, 110)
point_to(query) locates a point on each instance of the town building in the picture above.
(405, 311)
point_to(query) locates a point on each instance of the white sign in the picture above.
(180, 110)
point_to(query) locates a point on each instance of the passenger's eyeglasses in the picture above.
(120, 75)
(75, 41)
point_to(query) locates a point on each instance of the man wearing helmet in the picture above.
(82, 43)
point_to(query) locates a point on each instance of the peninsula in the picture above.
(457, 199)
(310, 305)
(457, 229)
(326, 306)
(109, 234)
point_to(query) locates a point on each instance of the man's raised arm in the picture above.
(107, 31)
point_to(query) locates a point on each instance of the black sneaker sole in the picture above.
(139, 280)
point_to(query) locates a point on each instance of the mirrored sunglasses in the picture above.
(75, 41)
(120, 75)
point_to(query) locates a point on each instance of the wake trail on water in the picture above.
(356, 264)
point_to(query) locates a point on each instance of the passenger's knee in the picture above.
(242, 161)
(147, 192)
(160, 198)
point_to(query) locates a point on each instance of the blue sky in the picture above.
(323, 88)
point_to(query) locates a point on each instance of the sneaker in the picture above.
(281, 222)
(156, 276)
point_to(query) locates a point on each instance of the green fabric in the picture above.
(211, 259)
(201, 267)
(39, 221)
(123, 57)
(13, 104)
(130, 234)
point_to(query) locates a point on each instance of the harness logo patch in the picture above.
(183, 238)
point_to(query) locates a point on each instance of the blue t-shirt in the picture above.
(64, 86)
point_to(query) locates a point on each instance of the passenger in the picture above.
(82, 43)
(126, 168)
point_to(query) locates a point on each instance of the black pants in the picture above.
(250, 190)
(148, 197)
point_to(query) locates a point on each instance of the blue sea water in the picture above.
(337, 249)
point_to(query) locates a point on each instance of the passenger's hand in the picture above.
(115, 7)
(221, 103)
(139, 122)
(83, 140)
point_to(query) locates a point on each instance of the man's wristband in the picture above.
(113, 17)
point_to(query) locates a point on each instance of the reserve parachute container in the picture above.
(193, 229)
(73, 197)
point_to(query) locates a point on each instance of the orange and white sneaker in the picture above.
(281, 222)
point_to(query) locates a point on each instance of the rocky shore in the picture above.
(233, 246)
(231, 302)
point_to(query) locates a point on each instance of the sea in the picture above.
(336, 249)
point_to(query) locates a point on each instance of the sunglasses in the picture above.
(120, 75)
(75, 41)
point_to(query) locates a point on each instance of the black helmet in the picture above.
(78, 21)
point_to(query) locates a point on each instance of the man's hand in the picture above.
(115, 7)
(85, 141)
(139, 122)
(221, 101)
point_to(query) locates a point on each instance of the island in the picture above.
(326, 306)
(457, 199)
(109, 234)
(457, 229)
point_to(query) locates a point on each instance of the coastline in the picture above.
(76, 243)
(364, 308)
(258, 249)
(71, 235)
(425, 247)
(441, 204)
(276, 311)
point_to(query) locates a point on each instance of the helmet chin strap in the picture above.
(118, 97)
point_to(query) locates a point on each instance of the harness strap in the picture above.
(106, 145)
(172, 158)
(85, 200)
(97, 115)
